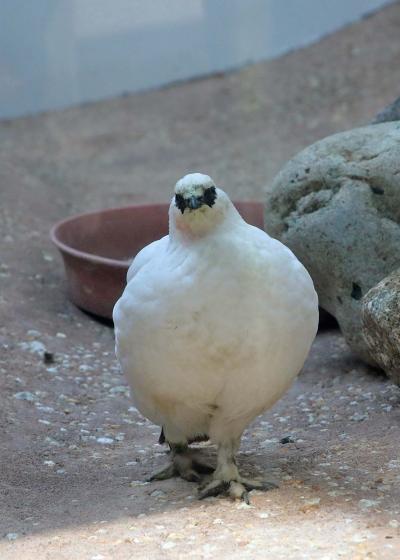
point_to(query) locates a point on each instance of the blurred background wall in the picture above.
(56, 53)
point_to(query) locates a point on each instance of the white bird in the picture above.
(214, 324)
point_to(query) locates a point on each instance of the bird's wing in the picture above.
(145, 255)
(265, 243)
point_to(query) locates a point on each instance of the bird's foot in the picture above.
(236, 489)
(186, 465)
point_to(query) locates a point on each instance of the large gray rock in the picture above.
(380, 316)
(337, 206)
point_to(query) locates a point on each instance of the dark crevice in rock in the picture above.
(356, 292)
(356, 177)
(311, 187)
(375, 188)
(369, 157)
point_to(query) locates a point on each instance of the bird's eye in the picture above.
(180, 202)
(210, 196)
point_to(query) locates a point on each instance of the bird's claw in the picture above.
(213, 488)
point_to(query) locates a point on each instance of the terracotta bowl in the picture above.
(98, 247)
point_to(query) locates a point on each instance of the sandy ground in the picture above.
(74, 453)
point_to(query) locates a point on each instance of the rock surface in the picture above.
(389, 113)
(337, 206)
(381, 324)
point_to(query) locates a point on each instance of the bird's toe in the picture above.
(164, 473)
(258, 484)
(191, 468)
(202, 467)
(190, 475)
(184, 465)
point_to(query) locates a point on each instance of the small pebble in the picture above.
(61, 335)
(359, 417)
(25, 396)
(83, 368)
(366, 504)
(120, 389)
(104, 440)
(310, 505)
(157, 494)
(44, 408)
(361, 537)
(312, 502)
(168, 545)
(33, 346)
(12, 536)
(53, 442)
(33, 333)
(243, 505)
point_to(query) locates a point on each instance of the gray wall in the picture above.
(56, 53)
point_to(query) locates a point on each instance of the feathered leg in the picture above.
(184, 461)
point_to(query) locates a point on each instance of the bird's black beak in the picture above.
(194, 202)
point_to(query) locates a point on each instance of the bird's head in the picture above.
(194, 191)
(198, 206)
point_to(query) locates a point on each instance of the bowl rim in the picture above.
(93, 257)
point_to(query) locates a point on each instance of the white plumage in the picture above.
(214, 324)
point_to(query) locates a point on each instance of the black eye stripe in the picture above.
(209, 196)
(180, 202)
